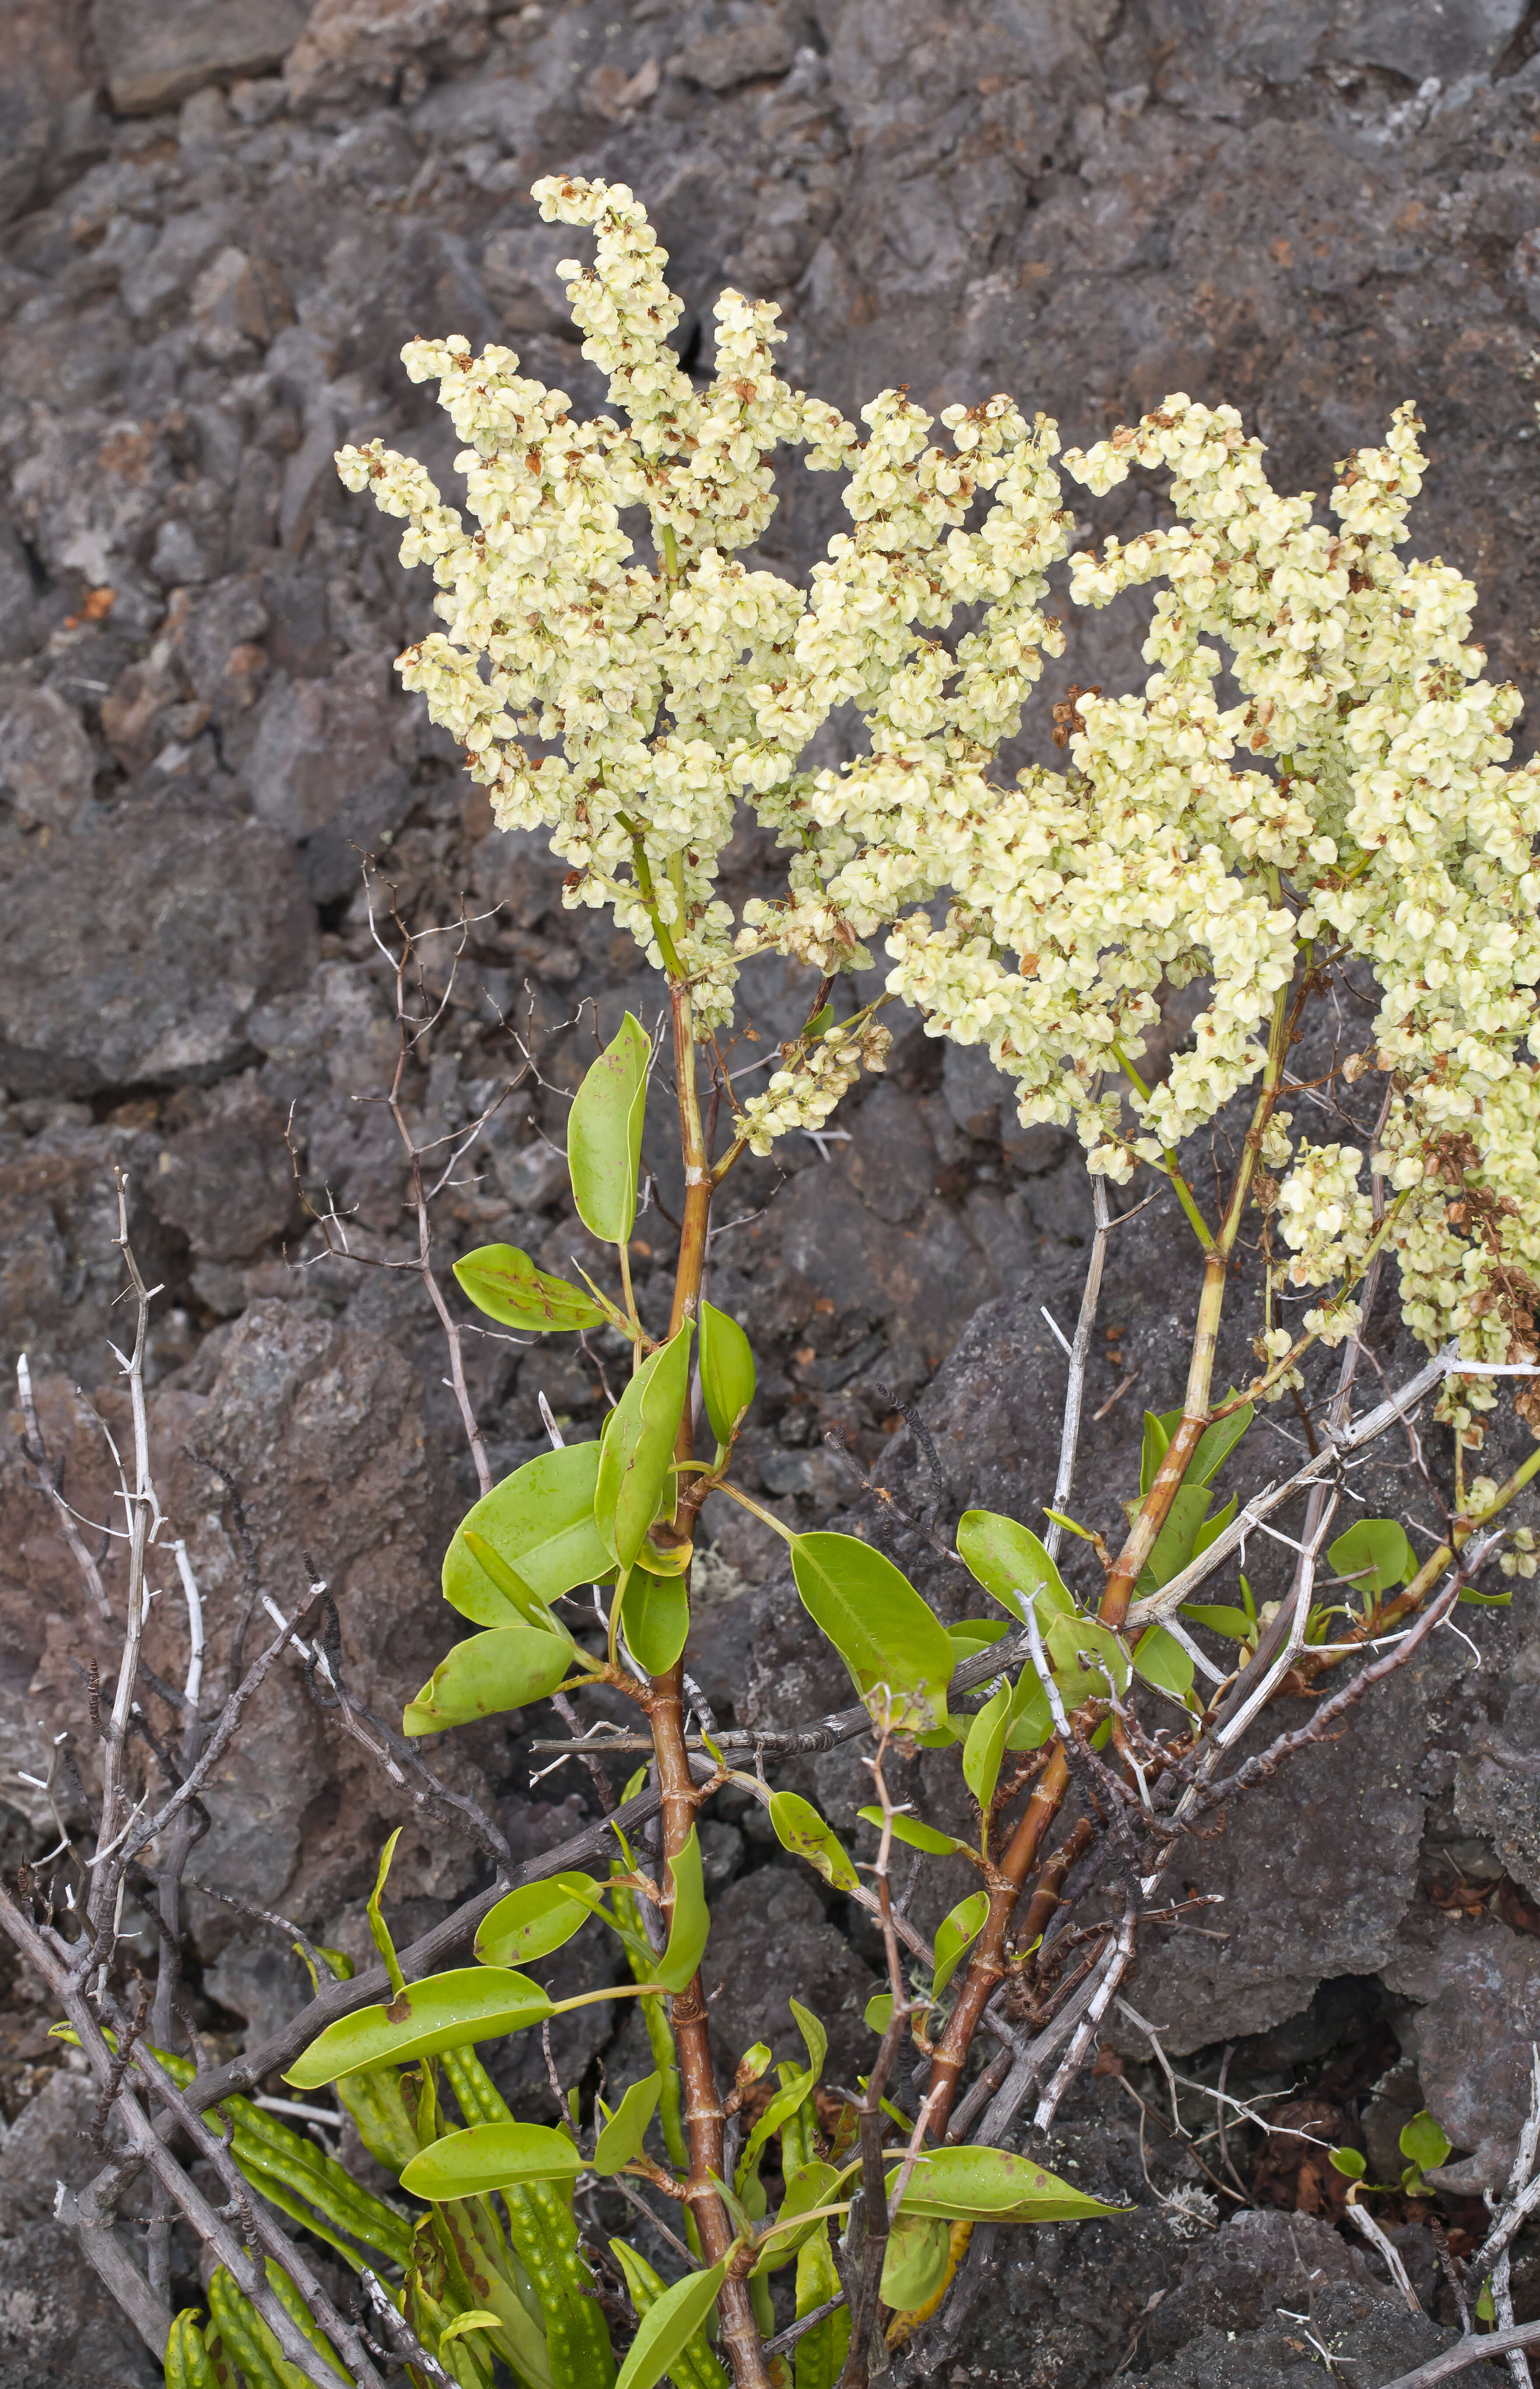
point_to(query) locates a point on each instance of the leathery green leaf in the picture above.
(797, 2085)
(1012, 1564)
(530, 1922)
(637, 1450)
(539, 1522)
(521, 1603)
(956, 1933)
(1031, 1719)
(914, 2267)
(799, 1828)
(622, 2136)
(689, 1922)
(986, 2185)
(1066, 1638)
(488, 1674)
(916, 1833)
(972, 1634)
(984, 1747)
(488, 2157)
(669, 2327)
(1375, 1554)
(506, 1284)
(1161, 1659)
(603, 1134)
(444, 2012)
(890, 1640)
(1175, 1544)
(727, 1371)
(654, 1619)
(1425, 2140)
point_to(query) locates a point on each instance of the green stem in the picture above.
(632, 1313)
(769, 1519)
(647, 887)
(1200, 1226)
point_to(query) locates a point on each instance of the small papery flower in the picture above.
(1355, 792)
(1323, 1219)
(1334, 1326)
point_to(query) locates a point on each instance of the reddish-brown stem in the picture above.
(1050, 1883)
(987, 1968)
(987, 1965)
(703, 2117)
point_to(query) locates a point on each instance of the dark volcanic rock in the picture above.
(138, 951)
(221, 222)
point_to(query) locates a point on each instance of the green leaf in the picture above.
(1031, 1719)
(1066, 1638)
(695, 2367)
(621, 2137)
(636, 1450)
(918, 1835)
(954, 1935)
(488, 1674)
(488, 2157)
(879, 2011)
(1178, 1539)
(1214, 1447)
(886, 1634)
(654, 1619)
(520, 1603)
(444, 2012)
(814, 2184)
(603, 1134)
(1485, 2310)
(1212, 1529)
(540, 1520)
(984, 1747)
(1233, 1623)
(972, 1634)
(1216, 1442)
(799, 1828)
(1350, 2161)
(919, 2250)
(1375, 1554)
(1425, 2141)
(797, 2085)
(187, 2362)
(1011, 1563)
(378, 1928)
(689, 1924)
(476, 2319)
(1158, 1432)
(1161, 1659)
(984, 2185)
(529, 1923)
(727, 1371)
(669, 2327)
(506, 1284)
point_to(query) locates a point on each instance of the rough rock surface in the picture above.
(219, 224)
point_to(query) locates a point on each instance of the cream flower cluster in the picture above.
(1325, 1222)
(804, 1096)
(1354, 799)
(1404, 842)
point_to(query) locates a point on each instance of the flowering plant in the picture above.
(1350, 805)
(1369, 818)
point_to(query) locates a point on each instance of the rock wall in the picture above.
(220, 224)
